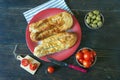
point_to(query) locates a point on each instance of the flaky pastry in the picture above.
(55, 43)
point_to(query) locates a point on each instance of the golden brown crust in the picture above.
(55, 43)
(50, 26)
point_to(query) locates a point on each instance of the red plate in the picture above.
(59, 55)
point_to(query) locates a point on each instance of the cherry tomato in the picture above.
(94, 53)
(79, 55)
(33, 66)
(80, 60)
(92, 60)
(84, 50)
(86, 63)
(25, 62)
(87, 56)
(50, 69)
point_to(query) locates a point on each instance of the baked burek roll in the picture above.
(55, 43)
(50, 26)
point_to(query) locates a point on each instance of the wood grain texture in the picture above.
(105, 41)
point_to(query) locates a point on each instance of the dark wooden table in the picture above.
(105, 41)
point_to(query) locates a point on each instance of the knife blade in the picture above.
(67, 65)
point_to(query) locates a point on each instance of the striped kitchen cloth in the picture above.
(50, 4)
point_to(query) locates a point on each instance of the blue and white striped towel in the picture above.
(50, 4)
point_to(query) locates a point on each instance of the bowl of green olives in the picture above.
(94, 19)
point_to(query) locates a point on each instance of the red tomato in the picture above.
(80, 60)
(25, 62)
(33, 66)
(87, 56)
(92, 60)
(86, 63)
(94, 53)
(79, 55)
(84, 50)
(50, 69)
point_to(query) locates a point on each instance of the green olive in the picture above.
(88, 21)
(88, 17)
(93, 17)
(99, 23)
(94, 25)
(95, 21)
(90, 24)
(90, 14)
(98, 18)
(96, 12)
(91, 20)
